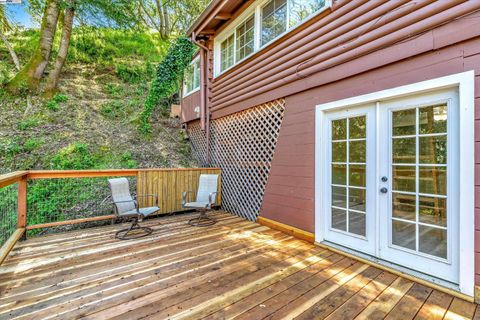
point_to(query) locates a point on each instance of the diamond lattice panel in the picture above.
(242, 144)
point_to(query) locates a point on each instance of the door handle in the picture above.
(383, 190)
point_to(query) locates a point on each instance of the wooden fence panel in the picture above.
(169, 185)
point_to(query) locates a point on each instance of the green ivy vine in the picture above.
(167, 79)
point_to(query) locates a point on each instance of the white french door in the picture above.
(349, 165)
(390, 183)
(419, 159)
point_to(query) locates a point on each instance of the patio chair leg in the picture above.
(203, 220)
(123, 234)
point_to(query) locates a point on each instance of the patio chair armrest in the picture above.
(126, 201)
(184, 197)
(210, 198)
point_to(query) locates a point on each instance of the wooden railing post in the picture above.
(22, 203)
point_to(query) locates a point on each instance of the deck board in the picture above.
(234, 269)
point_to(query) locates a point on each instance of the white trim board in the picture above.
(465, 83)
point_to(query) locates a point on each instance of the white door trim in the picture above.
(465, 83)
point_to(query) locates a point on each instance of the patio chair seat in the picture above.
(196, 204)
(143, 211)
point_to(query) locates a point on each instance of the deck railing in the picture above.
(31, 201)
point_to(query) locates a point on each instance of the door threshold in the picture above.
(416, 276)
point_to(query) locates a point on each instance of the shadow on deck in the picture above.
(234, 269)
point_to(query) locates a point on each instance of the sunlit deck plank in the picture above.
(234, 269)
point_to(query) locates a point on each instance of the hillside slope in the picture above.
(93, 121)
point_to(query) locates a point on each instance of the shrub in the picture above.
(28, 123)
(53, 104)
(76, 156)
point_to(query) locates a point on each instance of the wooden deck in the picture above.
(234, 269)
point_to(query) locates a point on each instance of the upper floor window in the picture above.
(227, 53)
(274, 20)
(263, 22)
(192, 77)
(244, 35)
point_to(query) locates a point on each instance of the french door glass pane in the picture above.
(357, 175)
(433, 210)
(433, 119)
(403, 234)
(433, 241)
(339, 197)
(339, 129)
(403, 206)
(339, 219)
(403, 150)
(404, 123)
(339, 174)
(356, 223)
(404, 178)
(358, 127)
(357, 151)
(339, 152)
(433, 149)
(433, 180)
(357, 199)
(419, 179)
(349, 180)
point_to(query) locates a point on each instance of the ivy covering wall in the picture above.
(167, 79)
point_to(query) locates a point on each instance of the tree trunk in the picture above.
(163, 16)
(10, 50)
(31, 74)
(54, 75)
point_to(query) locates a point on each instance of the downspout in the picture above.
(204, 112)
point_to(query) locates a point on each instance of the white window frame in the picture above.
(465, 82)
(187, 93)
(256, 10)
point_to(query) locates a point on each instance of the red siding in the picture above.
(189, 103)
(289, 195)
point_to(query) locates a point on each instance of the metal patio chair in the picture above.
(127, 208)
(206, 198)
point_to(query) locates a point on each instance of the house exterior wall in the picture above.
(357, 47)
(290, 194)
(189, 103)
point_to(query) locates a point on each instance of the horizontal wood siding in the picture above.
(355, 37)
(189, 103)
(289, 195)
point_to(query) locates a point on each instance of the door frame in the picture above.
(465, 83)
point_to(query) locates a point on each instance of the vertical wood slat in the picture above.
(169, 184)
(22, 202)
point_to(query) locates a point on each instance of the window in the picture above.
(192, 77)
(274, 20)
(301, 9)
(227, 53)
(260, 24)
(244, 42)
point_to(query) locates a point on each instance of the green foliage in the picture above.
(5, 72)
(53, 104)
(28, 123)
(133, 73)
(106, 46)
(112, 109)
(128, 161)
(76, 156)
(113, 89)
(167, 80)
(32, 144)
